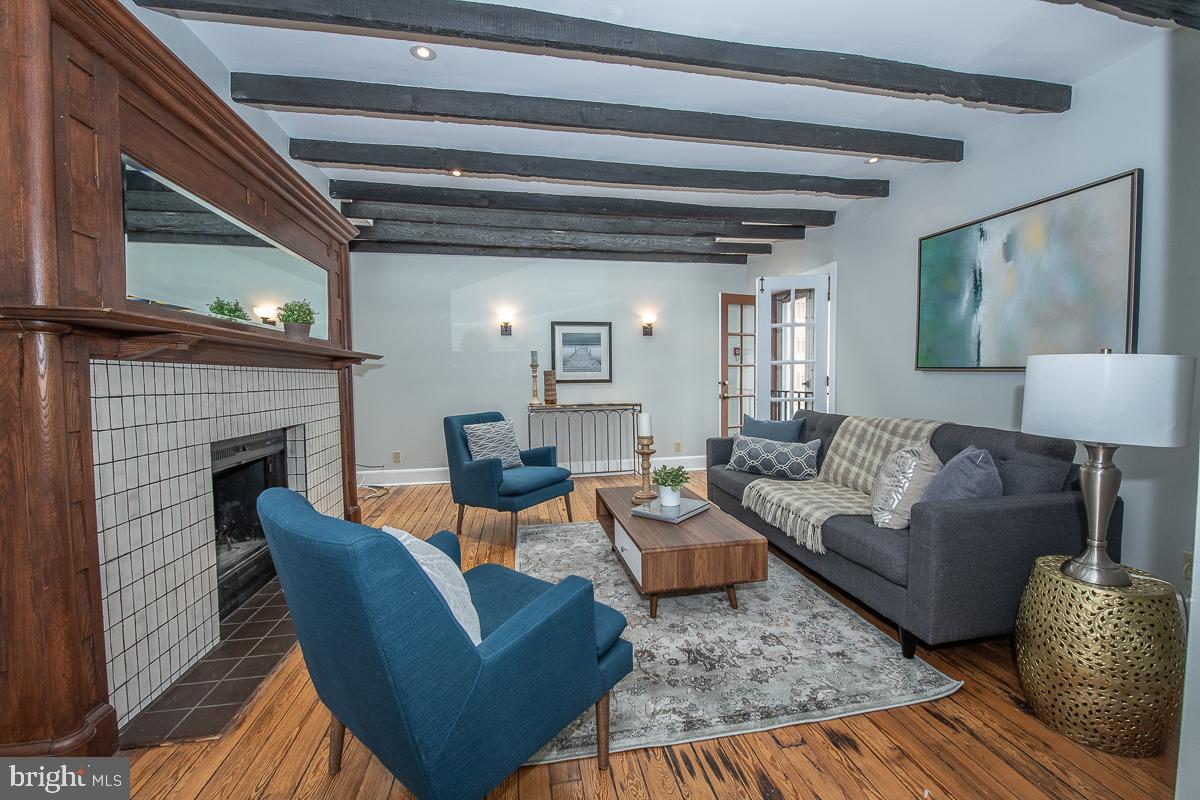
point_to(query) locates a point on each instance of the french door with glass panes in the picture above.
(794, 335)
(737, 361)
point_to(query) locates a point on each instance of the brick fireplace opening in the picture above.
(242, 469)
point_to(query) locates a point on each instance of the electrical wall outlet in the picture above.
(1187, 566)
(397, 456)
(679, 447)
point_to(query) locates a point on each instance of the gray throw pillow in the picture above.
(795, 461)
(787, 430)
(901, 481)
(494, 440)
(970, 474)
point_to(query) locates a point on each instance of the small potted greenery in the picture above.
(297, 317)
(670, 481)
(228, 309)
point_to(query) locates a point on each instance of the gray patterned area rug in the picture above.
(789, 654)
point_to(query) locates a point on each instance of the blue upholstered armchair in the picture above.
(389, 660)
(485, 484)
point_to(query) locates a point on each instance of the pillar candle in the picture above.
(643, 425)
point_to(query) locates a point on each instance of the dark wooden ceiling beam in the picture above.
(480, 236)
(138, 200)
(203, 222)
(549, 220)
(504, 27)
(517, 252)
(572, 204)
(323, 95)
(207, 239)
(1182, 12)
(356, 155)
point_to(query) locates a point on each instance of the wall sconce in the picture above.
(504, 315)
(648, 321)
(266, 313)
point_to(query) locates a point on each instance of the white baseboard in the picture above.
(405, 477)
(690, 463)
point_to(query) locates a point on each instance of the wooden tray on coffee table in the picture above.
(711, 550)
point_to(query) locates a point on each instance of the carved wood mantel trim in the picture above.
(108, 27)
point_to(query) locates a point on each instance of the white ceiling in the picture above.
(1022, 38)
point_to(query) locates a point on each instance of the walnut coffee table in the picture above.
(708, 551)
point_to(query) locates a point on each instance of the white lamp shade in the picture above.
(1110, 398)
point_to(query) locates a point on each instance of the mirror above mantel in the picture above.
(182, 253)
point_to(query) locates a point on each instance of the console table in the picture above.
(592, 438)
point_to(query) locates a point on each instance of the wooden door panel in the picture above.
(738, 353)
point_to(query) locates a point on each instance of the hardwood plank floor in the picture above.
(978, 743)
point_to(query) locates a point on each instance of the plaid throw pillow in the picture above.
(494, 440)
(791, 461)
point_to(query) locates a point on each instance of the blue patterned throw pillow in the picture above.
(791, 461)
(494, 440)
(787, 430)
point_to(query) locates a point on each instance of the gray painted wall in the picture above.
(435, 320)
(1130, 115)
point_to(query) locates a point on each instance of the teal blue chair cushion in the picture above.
(498, 593)
(523, 480)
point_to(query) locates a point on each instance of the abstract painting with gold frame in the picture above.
(1058, 275)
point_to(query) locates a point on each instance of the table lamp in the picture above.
(1104, 400)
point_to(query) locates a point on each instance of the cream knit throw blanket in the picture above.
(800, 508)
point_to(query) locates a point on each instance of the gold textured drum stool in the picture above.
(1101, 664)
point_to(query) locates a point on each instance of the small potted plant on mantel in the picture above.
(670, 481)
(228, 309)
(297, 317)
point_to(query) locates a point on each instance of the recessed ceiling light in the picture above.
(456, 172)
(873, 160)
(423, 52)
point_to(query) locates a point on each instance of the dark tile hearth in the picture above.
(208, 697)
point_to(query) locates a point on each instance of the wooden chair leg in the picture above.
(337, 735)
(461, 510)
(570, 514)
(602, 732)
(513, 526)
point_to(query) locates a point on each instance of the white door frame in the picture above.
(822, 281)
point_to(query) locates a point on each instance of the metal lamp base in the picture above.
(1081, 568)
(1100, 479)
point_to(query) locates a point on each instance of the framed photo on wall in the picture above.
(581, 351)
(1059, 275)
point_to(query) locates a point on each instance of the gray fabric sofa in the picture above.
(958, 571)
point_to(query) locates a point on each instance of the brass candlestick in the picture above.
(533, 369)
(645, 494)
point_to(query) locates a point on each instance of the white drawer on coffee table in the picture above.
(628, 551)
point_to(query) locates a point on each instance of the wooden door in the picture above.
(737, 361)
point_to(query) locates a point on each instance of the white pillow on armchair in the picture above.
(447, 577)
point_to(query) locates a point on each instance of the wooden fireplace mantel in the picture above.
(177, 335)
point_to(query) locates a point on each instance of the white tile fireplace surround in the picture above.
(153, 427)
